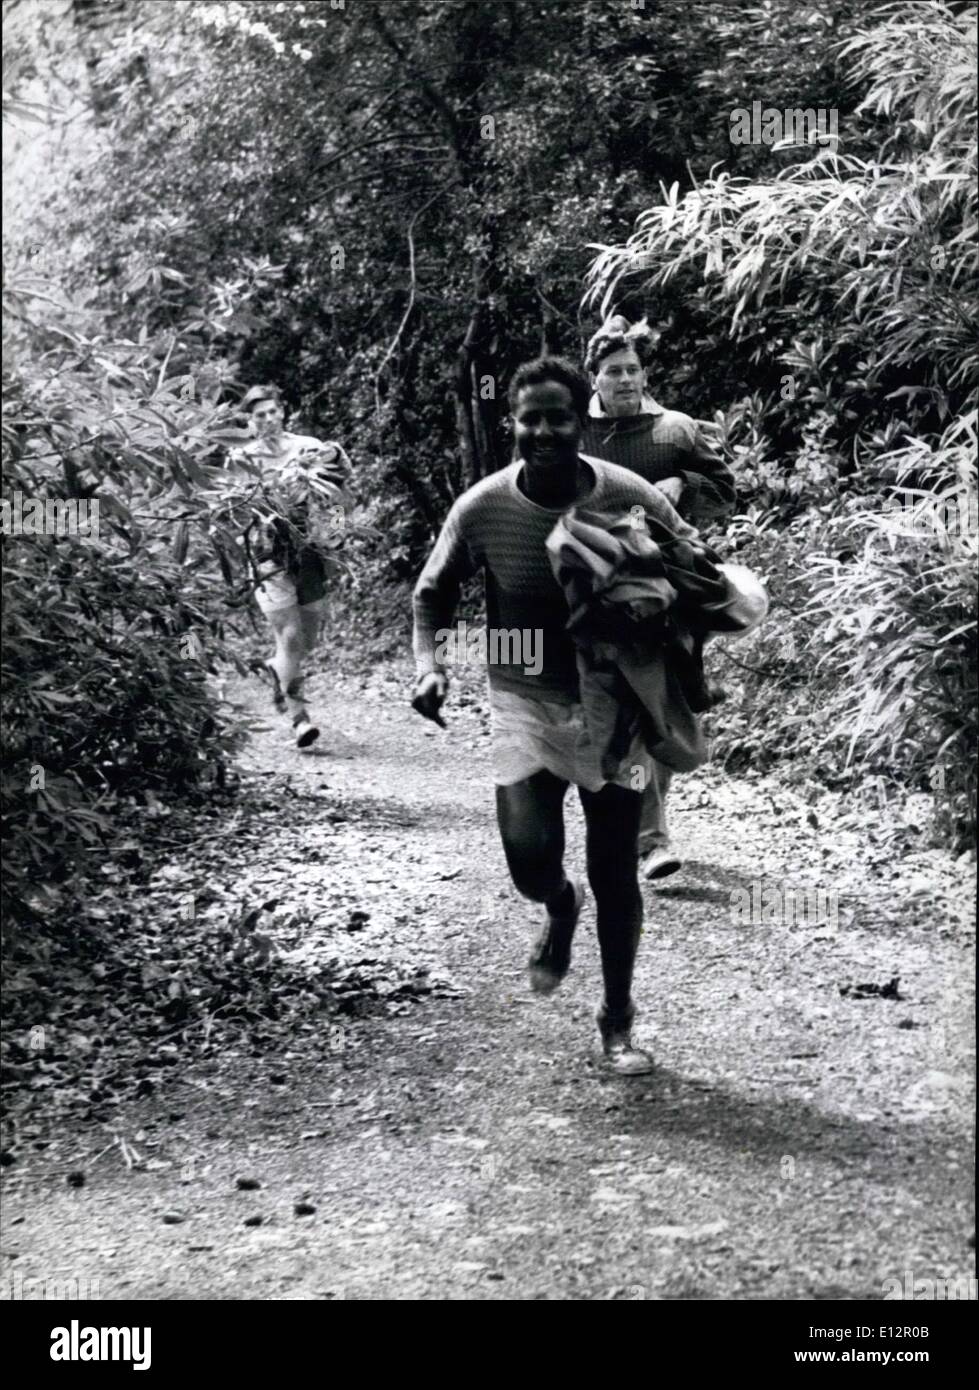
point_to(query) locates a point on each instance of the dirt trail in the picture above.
(794, 1143)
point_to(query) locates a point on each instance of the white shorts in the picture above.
(529, 734)
(278, 592)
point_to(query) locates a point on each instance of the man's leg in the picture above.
(658, 860)
(311, 624)
(295, 635)
(612, 817)
(612, 839)
(531, 819)
(653, 829)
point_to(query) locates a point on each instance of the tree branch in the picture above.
(435, 97)
(411, 294)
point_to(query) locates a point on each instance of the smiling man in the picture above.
(540, 744)
(626, 426)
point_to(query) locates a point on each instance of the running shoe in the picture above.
(659, 863)
(306, 733)
(621, 1056)
(551, 958)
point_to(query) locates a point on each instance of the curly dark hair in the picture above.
(557, 369)
(618, 335)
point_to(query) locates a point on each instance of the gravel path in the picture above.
(796, 1142)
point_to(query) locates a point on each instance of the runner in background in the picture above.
(628, 427)
(292, 588)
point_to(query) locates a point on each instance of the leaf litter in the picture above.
(204, 940)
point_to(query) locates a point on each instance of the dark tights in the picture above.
(531, 818)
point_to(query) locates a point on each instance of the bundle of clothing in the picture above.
(642, 603)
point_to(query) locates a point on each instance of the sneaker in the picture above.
(659, 863)
(551, 958)
(278, 699)
(306, 733)
(621, 1057)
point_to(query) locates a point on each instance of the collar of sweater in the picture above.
(597, 411)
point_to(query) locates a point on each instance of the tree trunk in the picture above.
(472, 468)
(98, 22)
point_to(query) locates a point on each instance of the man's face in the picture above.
(546, 427)
(620, 381)
(267, 418)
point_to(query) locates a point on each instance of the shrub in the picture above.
(895, 613)
(110, 640)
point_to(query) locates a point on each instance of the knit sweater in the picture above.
(495, 528)
(660, 444)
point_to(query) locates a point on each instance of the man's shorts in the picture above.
(529, 734)
(280, 590)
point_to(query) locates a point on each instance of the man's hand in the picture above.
(430, 696)
(672, 489)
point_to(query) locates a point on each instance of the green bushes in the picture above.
(105, 695)
(867, 665)
(896, 619)
(110, 638)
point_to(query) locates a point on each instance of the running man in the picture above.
(293, 579)
(500, 526)
(626, 426)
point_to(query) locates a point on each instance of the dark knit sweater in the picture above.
(661, 444)
(494, 527)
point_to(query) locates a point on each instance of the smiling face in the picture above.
(267, 419)
(546, 427)
(620, 381)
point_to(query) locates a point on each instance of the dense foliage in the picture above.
(110, 630)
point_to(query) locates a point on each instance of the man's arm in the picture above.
(708, 483)
(437, 591)
(658, 505)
